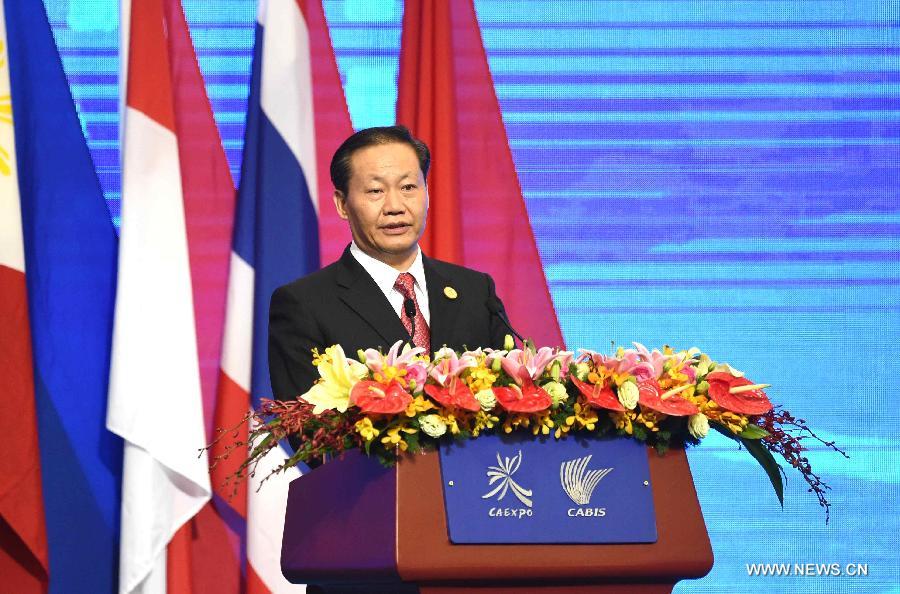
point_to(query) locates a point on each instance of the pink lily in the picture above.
(416, 369)
(527, 365)
(376, 362)
(651, 366)
(447, 365)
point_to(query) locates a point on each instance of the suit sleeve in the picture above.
(293, 333)
(498, 329)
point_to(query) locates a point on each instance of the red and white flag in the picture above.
(155, 400)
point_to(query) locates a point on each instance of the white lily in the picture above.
(339, 375)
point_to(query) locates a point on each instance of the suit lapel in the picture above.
(362, 295)
(443, 310)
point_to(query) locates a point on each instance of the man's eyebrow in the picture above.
(378, 178)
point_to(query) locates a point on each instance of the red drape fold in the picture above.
(477, 215)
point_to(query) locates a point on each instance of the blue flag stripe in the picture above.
(71, 252)
(277, 227)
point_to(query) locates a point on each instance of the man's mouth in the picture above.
(395, 228)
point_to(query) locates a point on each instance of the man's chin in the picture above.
(395, 251)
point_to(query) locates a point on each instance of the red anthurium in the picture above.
(751, 402)
(456, 394)
(650, 396)
(528, 398)
(599, 396)
(374, 397)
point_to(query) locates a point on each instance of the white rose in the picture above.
(557, 392)
(698, 425)
(628, 395)
(582, 370)
(486, 400)
(433, 425)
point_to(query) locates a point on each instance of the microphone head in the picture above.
(409, 307)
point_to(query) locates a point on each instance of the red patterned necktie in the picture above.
(416, 327)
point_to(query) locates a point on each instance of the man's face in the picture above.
(386, 202)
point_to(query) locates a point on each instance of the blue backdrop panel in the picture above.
(714, 173)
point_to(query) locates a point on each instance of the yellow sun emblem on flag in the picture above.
(5, 112)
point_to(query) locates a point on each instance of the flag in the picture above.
(23, 537)
(296, 118)
(205, 554)
(155, 395)
(446, 97)
(70, 251)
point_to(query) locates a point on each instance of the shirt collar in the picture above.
(385, 275)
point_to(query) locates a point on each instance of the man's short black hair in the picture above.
(340, 163)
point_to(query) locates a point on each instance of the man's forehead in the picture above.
(385, 161)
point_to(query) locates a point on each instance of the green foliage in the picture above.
(412, 443)
(754, 432)
(765, 458)
(639, 432)
(762, 455)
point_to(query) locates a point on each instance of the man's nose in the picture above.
(393, 202)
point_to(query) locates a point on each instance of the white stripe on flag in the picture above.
(286, 85)
(237, 342)
(266, 507)
(12, 250)
(154, 394)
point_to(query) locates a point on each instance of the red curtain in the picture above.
(477, 215)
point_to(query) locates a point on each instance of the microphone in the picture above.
(496, 308)
(409, 307)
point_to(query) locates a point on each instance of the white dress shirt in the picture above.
(385, 276)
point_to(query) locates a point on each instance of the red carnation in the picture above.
(373, 397)
(456, 394)
(751, 402)
(649, 396)
(529, 398)
(599, 396)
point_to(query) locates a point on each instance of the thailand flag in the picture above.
(293, 125)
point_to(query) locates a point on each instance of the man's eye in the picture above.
(373, 191)
(409, 187)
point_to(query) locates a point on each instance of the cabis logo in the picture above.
(503, 473)
(579, 483)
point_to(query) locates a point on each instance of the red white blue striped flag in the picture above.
(296, 118)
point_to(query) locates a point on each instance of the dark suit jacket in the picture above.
(341, 304)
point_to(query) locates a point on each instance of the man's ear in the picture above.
(339, 204)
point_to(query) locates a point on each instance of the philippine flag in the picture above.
(23, 537)
(293, 125)
(70, 251)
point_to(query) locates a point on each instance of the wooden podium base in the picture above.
(354, 522)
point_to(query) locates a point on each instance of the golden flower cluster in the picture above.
(480, 378)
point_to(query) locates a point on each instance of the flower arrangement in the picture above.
(405, 400)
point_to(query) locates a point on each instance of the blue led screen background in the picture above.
(724, 174)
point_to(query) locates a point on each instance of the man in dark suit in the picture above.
(382, 289)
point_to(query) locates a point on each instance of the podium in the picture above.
(352, 522)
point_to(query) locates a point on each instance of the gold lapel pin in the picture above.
(450, 292)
